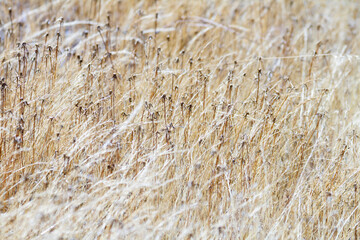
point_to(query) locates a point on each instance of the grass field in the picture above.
(179, 119)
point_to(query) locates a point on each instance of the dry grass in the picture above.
(179, 119)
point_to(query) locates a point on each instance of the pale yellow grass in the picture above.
(178, 119)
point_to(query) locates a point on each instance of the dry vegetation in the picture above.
(179, 119)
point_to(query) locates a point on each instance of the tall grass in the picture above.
(179, 119)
